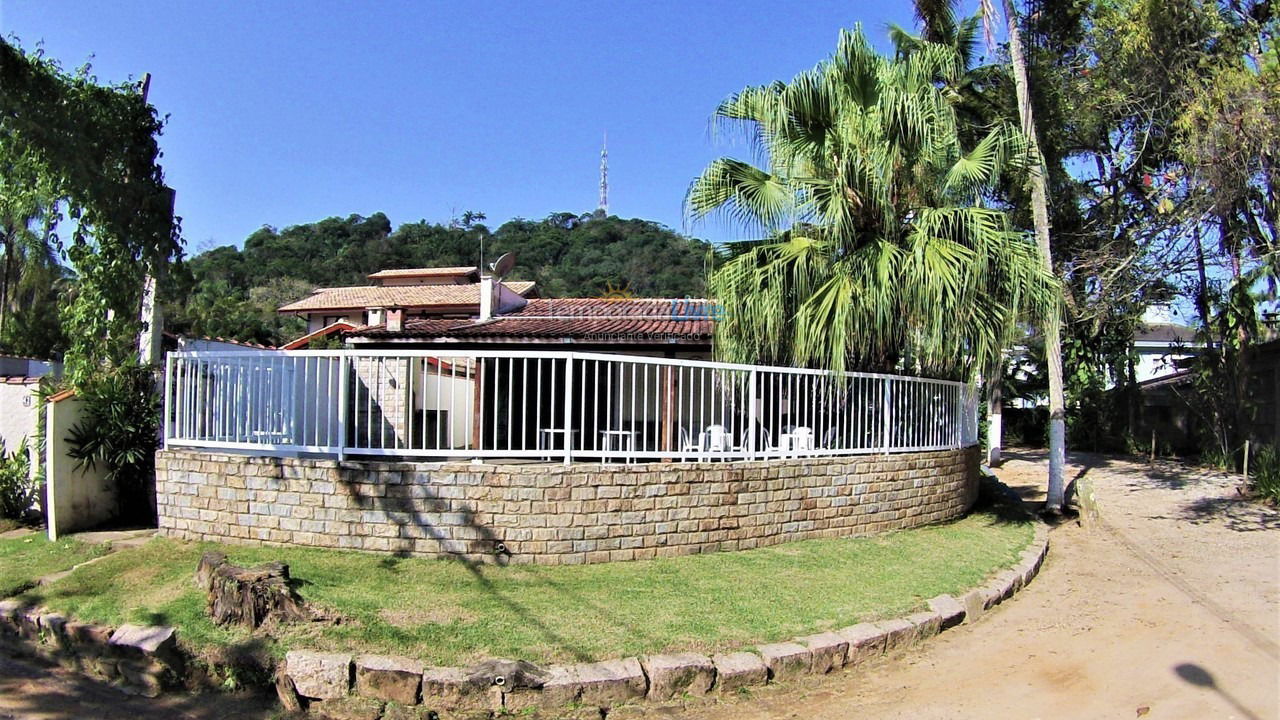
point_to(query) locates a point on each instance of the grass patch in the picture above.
(27, 558)
(449, 613)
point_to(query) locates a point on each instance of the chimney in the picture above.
(487, 292)
(395, 319)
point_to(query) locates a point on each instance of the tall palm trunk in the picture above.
(1040, 217)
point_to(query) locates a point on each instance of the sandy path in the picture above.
(1173, 605)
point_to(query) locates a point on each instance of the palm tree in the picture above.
(876, 248)
(1040, 218)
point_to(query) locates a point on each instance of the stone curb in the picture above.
(146, 661)
(136, 659)
(611, 687)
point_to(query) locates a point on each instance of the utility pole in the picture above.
(604, 176)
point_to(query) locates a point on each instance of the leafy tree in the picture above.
(232, 293)
(878, 249)
(90, 152)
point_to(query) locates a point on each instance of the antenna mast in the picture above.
(604, 175)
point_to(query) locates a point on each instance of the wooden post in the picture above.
(668, 408)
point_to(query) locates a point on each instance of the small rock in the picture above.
(828, 651)
(866, 641)
(785, 659)
(388, 678)
(738, 670)
(321, 676)
(949, 609)
(673, 675)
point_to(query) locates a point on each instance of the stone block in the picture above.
(152, 641)
(786, 659)
(975, 604)
(449, 688)
(321, 676)
(345, 708)
(673, 675)
(897, 632)
(927, 624)
(738, 670)
(828, 650)
(388, 678)
(866, 640)
(610, 682)
(949, 609)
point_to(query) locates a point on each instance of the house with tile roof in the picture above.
(459, 308)
(456, 293)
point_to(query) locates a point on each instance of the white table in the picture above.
(625, 441)
(547, 436)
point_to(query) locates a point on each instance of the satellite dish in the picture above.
(503, 265)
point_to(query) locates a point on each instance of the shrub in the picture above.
(118, 432)
(1264, 472)
(18, 491)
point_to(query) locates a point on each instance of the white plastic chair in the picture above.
(802, 438)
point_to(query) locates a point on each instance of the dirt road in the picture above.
(1170, 609)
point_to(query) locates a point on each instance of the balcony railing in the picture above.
(549, 406)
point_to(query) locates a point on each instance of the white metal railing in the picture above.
(549, 405)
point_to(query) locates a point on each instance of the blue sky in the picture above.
(283, 113)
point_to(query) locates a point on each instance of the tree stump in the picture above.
(248, 596)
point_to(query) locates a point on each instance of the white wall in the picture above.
(17, 414)
(75, 498)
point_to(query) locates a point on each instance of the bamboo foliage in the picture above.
(874, 246)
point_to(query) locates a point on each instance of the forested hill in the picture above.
(233, 293)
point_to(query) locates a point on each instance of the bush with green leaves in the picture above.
(1265, 472)
(18, 492)
(118, 433)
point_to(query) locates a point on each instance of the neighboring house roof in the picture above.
(1165, 334)
(424, 272)
(629, 321)
(1173, 378)
(327, 330)
(361, 297)
(178, 341)
(18, 380)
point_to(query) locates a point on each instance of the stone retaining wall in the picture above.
(551, 513)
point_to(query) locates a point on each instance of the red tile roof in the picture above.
(361, 297)
(629, 321)
(424, 272)
(18, 379)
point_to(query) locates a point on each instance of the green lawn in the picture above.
(25, 559)
(447, 613)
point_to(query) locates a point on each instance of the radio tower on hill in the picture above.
(604, 176)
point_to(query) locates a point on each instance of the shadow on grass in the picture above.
(409, 505)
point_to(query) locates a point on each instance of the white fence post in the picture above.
(888, 412)
(168, 399)
(752, 439)
(568, 409)
(343, 385)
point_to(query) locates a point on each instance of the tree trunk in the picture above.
(995, 418)
(1040, 217)
(248, 596)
